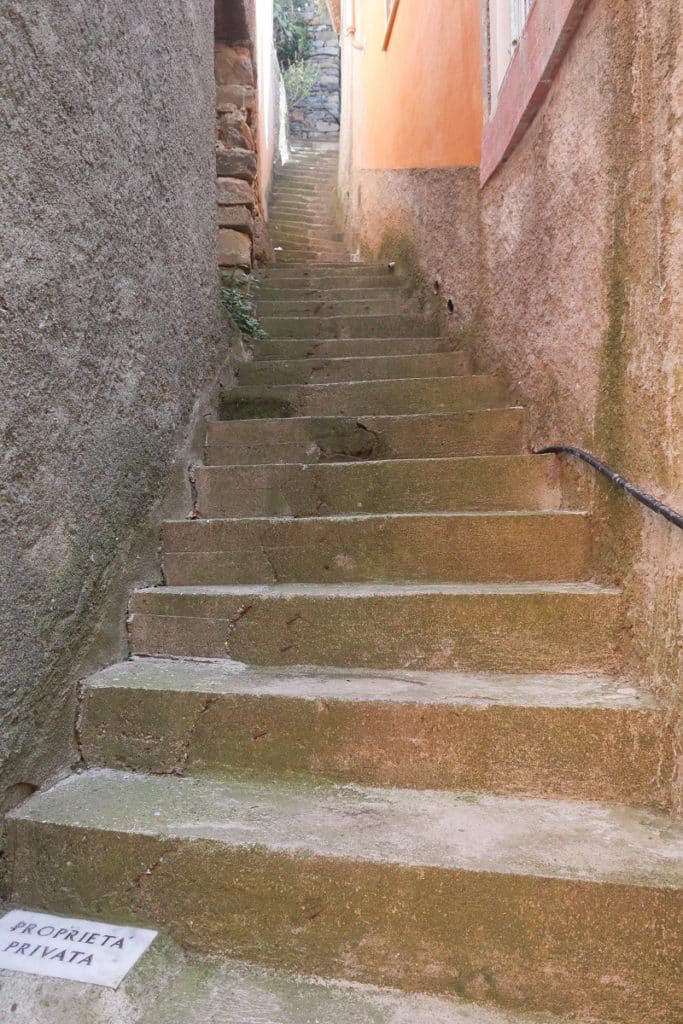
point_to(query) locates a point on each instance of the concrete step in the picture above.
(354, 270)
(289, 253)
(388, 326)
(309, 239)
(488, 484)
(362, 398)
(389, 289)
(333, 280)
(431, 730)
(285, 258)
(350, 368)
(330, 348)
(301, 222)
(313, 207)
(502, 627)
(341, 439)
(308, 275)
(552, 906)
(373, 306)
(171, 986)
(448, 547)
(297, 225)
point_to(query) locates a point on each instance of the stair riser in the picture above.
(494, 432)
(298, 226)
(318, 242)
(394, 326)
(497, 631)
(313, 256)
(418, 485)
(540, 751)
(331, 307)
(327, 371)
(540, 944)
(466, 549)
(304, 348)
(357, 271)
(307, 240)
(385, 290)
(314, 208)
(391, 398)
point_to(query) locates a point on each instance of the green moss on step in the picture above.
(233, 405)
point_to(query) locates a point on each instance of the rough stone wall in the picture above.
(109, 324)
(580, 292)
(236, 163)
(317, 117)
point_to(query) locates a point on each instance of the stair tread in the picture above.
(422, 381)
(403, 686)
(171, 986)
(353, 517)
(221, 426)
(400, 358)
(590, 842)
(331, 590)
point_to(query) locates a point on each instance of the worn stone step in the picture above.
(340, 439)
(288, 254)
(386, 290)
(301, 222)
(307, 275)
(310, 248)
(353, 270)
(458, 547)
(349, 368)
(298, 225)
(316, 240)
(502, 627)
(480, 484)
(373, 306)
(333, 281)
(293, 258)
(311, 239)
(362, 398)
(328, 348)
(547, 905)
(315, 208)
(364, 326)
(523, 735)
(172, 986)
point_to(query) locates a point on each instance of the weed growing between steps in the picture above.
(236, 298)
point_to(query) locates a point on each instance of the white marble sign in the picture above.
(65, 947)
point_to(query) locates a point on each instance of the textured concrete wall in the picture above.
(428, 218)
(583, 246)
(579, 296)
(109, 329)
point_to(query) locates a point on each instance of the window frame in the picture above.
(549, 29)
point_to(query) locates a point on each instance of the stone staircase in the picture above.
(372, 729)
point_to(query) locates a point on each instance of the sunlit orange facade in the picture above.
(417, 91)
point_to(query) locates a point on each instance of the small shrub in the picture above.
(300, 79)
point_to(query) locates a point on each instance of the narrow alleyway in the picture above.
(370, 731)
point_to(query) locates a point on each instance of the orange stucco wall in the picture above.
(419, 103)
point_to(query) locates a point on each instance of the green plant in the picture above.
(236, 298)
(300, 79)
(292, 35)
